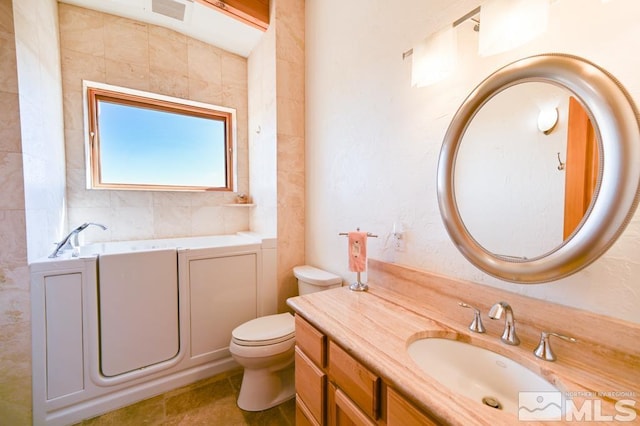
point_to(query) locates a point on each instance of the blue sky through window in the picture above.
(151, 147)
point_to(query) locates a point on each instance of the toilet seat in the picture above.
(264, 331)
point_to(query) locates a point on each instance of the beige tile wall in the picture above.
(15, 324)
(262, 134)
(113, 50)
(277, 138)
(40, 87)
(290, 100)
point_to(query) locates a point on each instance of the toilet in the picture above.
(265, 348)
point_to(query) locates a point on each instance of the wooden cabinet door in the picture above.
(311, 386)
(345, 412)
(303, 415)
(401, 412)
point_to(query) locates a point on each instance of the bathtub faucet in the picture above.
(71, 240)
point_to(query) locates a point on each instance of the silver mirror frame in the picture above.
(617, 126)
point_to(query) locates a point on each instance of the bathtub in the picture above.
(124, 321)
(191, 243)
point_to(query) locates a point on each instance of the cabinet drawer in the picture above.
(311, 386)
(303, 415)
(401, 412)
(346, 412)
(312, 342)
(361, 385)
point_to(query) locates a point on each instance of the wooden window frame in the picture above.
(95, 92)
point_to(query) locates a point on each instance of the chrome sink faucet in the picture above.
(71, 240)
(509, 335)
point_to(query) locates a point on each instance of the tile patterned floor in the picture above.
(209, 402)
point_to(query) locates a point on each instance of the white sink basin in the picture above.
(489, 378)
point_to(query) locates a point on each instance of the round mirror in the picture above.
(540, 168)
(508, 188)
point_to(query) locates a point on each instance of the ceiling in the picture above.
(190, 17)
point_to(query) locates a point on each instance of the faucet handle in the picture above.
(543, 351)
(476, 325)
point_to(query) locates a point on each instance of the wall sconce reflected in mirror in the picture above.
(547, 120)
(434, 58)
(507, 24)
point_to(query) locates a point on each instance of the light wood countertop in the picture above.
(377, 326)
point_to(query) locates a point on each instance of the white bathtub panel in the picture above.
(63, 314)
(222, 296)
(138, 298)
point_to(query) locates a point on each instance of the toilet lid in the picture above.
(316, 276)
(265, 330)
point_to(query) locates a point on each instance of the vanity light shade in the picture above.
(434, 58)
(507, 24)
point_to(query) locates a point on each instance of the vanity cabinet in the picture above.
(334, 388)
(311, 379)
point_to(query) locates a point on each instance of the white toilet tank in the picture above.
(312, 279)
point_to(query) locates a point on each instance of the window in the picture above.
(139, 140)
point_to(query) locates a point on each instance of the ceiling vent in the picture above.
(172, 8)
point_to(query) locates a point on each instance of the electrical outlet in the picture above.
(398, 237)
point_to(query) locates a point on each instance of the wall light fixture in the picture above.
(503, 25)
(547, 120)
(434, 58)
(507, 24)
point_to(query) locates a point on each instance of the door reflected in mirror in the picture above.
(582, 167)
(513, 198)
